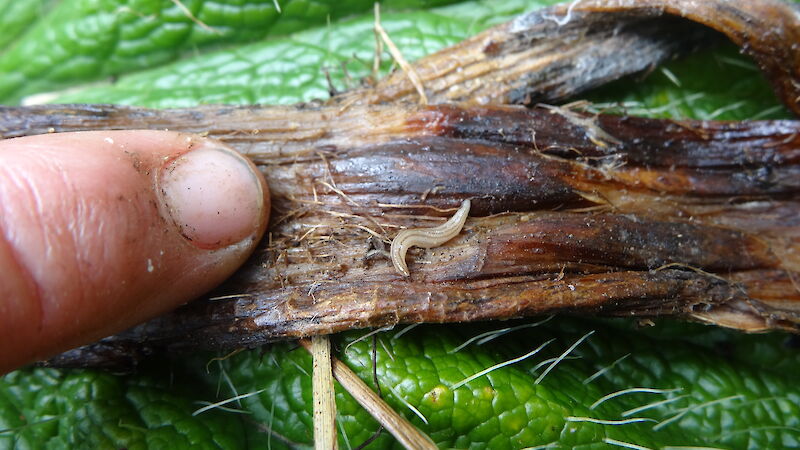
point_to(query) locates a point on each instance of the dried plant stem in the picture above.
(409, 70)
(406, 433)
(712, 205)
(376, 60)
(324, 399)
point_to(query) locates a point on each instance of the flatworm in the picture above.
(426, 237)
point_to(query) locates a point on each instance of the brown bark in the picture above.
(548, 56)
(576, 213)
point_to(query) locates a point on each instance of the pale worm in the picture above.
(426, 237)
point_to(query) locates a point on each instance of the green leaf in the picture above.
(709, 396)
(716, 84)
(16, 16)
(41, 408)
(85, 40)
(291, 70)
(717, 387)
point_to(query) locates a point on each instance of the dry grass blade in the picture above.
(409, 70)
(324, 399)
(405, 433)
(185, 10)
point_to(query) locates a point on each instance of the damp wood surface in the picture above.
(571, 211)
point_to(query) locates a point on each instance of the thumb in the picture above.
(102, 230)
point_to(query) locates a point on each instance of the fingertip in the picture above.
(214, 196)
(111, 228)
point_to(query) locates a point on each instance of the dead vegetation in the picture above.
(572, 210)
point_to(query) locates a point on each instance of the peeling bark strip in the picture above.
(766, 30)
(570, 212)
(550, 55)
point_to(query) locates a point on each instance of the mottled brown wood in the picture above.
(551, 55)
(572, 212)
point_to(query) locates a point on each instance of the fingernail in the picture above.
(214, 196)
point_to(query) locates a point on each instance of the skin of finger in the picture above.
(87, 248)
